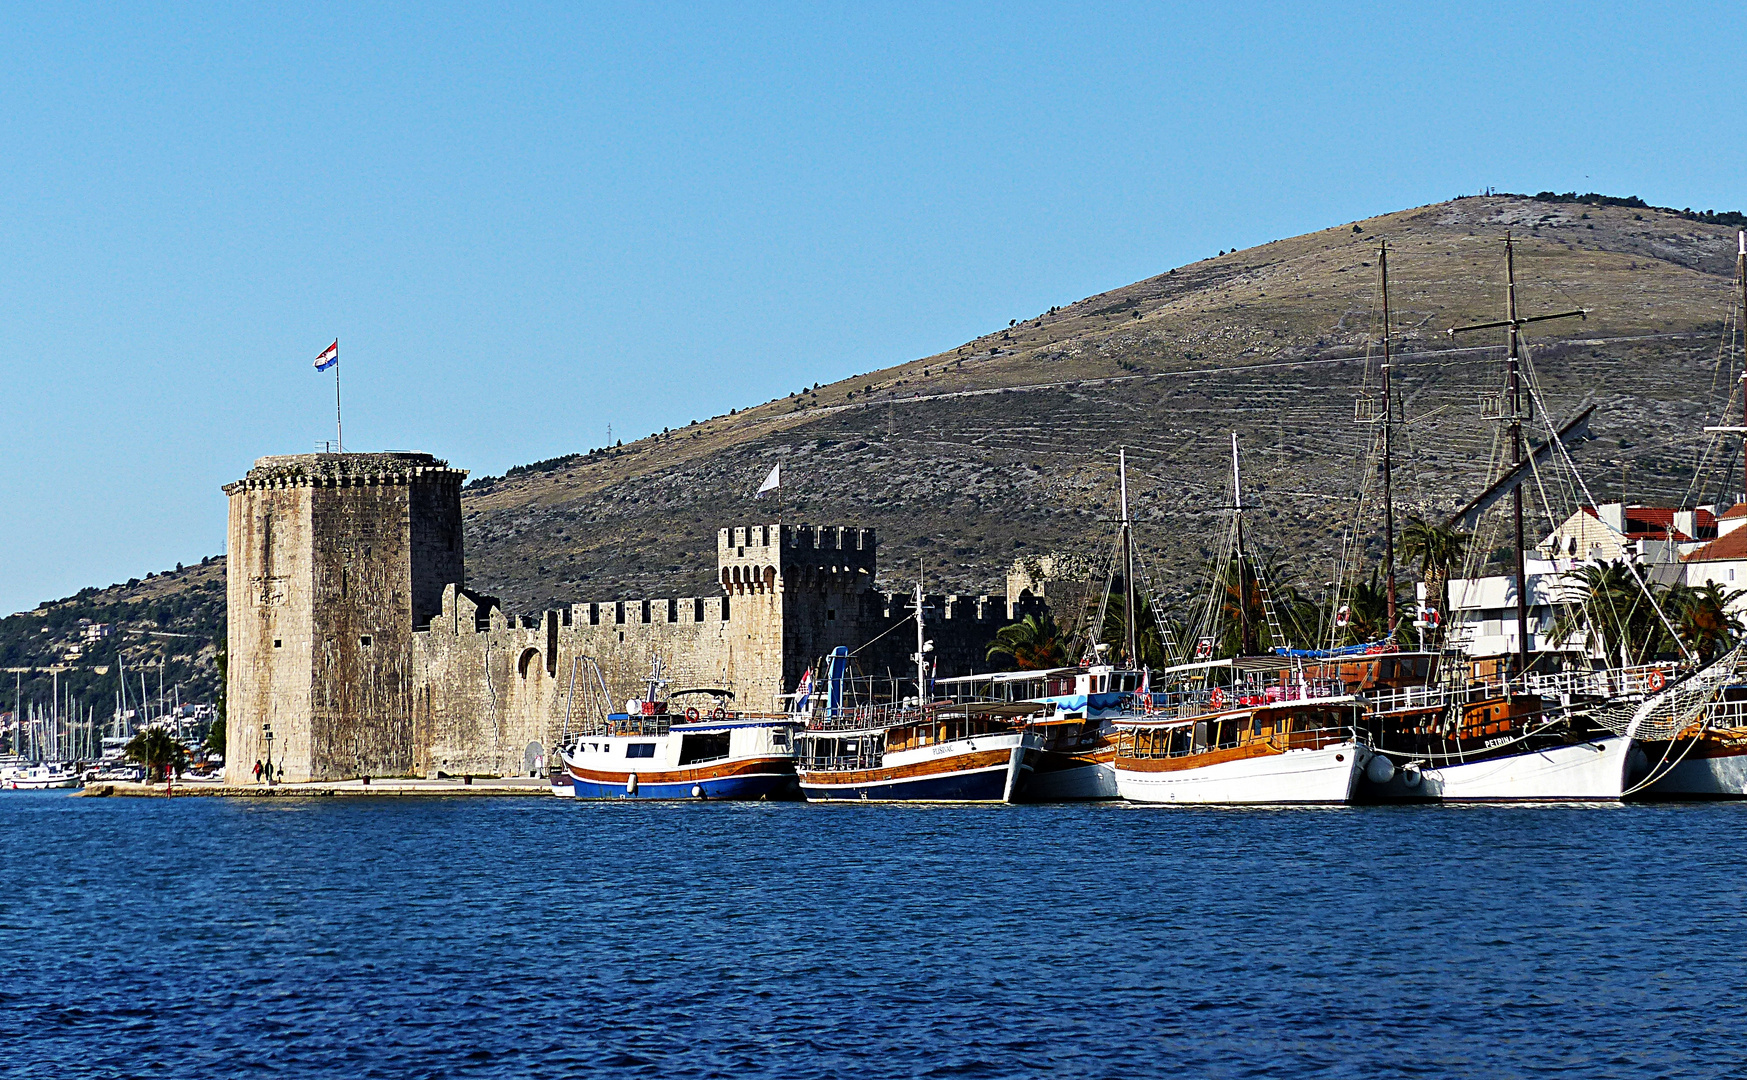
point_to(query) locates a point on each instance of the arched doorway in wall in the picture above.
(529, 717)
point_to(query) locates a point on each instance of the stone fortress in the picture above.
(356, 649)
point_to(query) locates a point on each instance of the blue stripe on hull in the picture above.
(986, 786)
(761, 786)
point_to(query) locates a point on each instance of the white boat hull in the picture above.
(38, 784)
(1324, 776)
(1586, 771)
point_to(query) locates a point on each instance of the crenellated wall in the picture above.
(791, 594)
(352, 634)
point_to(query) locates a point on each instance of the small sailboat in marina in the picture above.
(41, 777)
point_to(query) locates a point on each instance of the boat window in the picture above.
(852, 746)
(780, 737)
(640, 749)
(695, 747)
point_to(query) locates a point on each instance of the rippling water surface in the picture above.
(539, 937)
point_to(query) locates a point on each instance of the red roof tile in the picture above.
(1731, 546)
(1657, 522)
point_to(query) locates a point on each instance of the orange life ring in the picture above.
(1217, 699)
(692, 715)
(719, 714)
(1657, 680)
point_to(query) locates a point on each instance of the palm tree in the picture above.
(1032, 643)
(1701, 617)
(1609, 601)
(1439, 550)
(1367, 612)
(158, 751)
(1148, 641)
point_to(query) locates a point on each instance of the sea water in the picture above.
(414, 937)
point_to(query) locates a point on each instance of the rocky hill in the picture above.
(1006, 445)
(169, 624)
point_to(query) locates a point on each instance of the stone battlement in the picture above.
(950, 607)
(346, 470)
(837, 539)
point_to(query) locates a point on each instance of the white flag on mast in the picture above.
(771, 482)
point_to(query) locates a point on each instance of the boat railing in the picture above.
(838, 762)
(1187, 741)
(1186, 704)
(1564, 687)
(866, 717)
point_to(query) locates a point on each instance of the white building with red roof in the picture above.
(1482, 610)
(1723, 561)
(1611, 531)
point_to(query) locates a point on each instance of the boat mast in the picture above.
(1128, 594)
(1237, 502)
(1388, 425)
(1513, 391)
(921, 646)
(1741, 280)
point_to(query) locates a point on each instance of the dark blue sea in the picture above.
(537, 937)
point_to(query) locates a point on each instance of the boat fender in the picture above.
(697, 791)
(1410, 774)
(1379, 770)
(631, 784)
(692, 715)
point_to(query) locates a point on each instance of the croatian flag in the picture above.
(804, 692)
(329, 356)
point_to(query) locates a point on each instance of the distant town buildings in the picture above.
(1689, 546)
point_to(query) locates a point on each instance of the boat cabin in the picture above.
(1265, 729)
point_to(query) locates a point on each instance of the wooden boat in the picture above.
(1071, 710)
(666, 756)
(1709, 764)
(1693, 735)
(915, 755)
(1534, 737)
(1303, 751)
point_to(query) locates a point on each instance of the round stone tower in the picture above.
(334, 559)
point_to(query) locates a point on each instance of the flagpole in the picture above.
(339, 423)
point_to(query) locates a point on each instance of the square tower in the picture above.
(334, 560)
(815, 582)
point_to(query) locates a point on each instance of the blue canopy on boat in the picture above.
(1326, 654)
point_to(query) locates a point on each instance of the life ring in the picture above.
(1218, 698)
(692, 715)
(1657, 680)
(719, 713)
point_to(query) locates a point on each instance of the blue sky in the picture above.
(525, 223)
